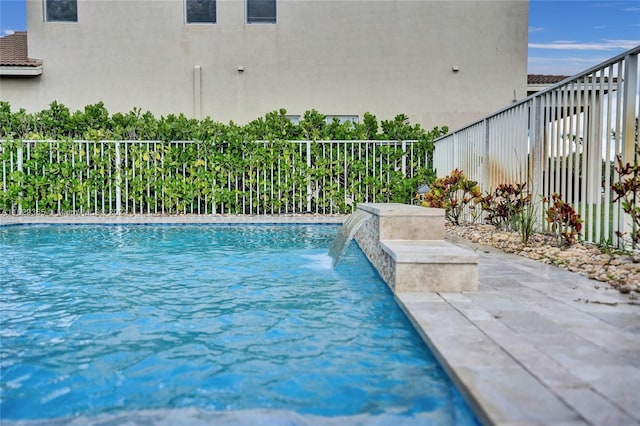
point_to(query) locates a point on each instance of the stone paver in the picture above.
(536, 345)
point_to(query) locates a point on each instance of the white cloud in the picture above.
(561, 66)
(8, 32)
(632, 9)
(604, 45)
(544, 59)
(535, 29)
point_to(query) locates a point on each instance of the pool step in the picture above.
(431, 266)
(406, 245)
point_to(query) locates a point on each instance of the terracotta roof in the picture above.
(13, 51)
(545, 79)
(553, 79)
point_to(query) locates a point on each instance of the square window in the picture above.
(261, 11)
(201, 11)
(342, 119)
(294, 119)
(61, 10)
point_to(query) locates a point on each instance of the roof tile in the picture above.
(545, 79)
(14, 52)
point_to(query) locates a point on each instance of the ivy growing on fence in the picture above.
(56, 161)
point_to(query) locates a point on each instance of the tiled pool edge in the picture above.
(497, 387)
(408, 303)
(167, 219)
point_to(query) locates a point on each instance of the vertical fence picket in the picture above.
(581, 140)
(617, 213)
(4, 174)
(19, 168)
(571, 143)
(606, 178)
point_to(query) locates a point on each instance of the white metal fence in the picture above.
(563, 140)
(264, 177)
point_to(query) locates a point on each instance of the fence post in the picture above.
(404, 159)
(19, 168)
(118, 179)
(630, 93)
(486, 178)
(629, 117)
(309, 176)
(535, 149)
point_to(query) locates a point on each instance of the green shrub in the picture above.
(253, 168)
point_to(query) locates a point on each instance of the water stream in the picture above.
(345, 234)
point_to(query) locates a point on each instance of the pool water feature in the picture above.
(345, 235)
(210, 323)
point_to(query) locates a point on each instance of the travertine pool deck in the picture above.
(534, 345)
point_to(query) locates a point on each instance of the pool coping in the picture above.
(505, 379)
(169, 219)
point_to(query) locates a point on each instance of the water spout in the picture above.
(345, 235)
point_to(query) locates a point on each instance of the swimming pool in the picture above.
(210, 324)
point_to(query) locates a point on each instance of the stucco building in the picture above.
(439, 62)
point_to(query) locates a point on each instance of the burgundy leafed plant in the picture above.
(564, 220)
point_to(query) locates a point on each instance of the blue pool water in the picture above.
(215, 324)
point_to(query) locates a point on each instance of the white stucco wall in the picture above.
(339, 57)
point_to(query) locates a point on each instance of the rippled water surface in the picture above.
(125, 320)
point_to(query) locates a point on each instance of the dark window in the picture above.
(261, 11)
(61, 10)
(201, 11)
(341, 118)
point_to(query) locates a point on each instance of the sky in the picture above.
(565, 37)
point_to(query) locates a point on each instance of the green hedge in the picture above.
(251, 169)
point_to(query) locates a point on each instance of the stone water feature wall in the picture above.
(368, 238)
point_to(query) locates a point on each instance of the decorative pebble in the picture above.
(626, 288)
